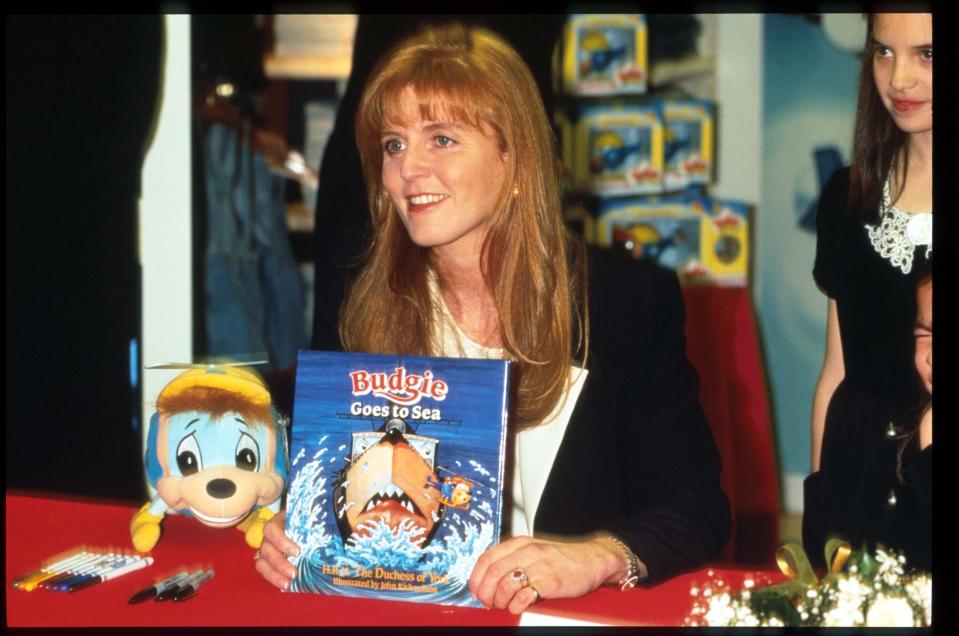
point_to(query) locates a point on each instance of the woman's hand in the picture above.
(555, 569)
(272, 563)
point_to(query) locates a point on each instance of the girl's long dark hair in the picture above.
(876, 142)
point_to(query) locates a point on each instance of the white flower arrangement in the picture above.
(861, 590)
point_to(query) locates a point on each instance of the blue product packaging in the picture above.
(618, 149)
(605, 54)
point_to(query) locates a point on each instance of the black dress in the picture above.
(874, 486)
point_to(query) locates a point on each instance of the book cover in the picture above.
(396, 473)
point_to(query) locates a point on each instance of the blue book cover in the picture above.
(396, 476)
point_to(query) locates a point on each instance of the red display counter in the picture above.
(38, 527)
(723, 344)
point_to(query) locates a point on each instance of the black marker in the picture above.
(172, 591)
(189, 589)
(150, 593)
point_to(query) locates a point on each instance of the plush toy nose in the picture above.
(221, 488)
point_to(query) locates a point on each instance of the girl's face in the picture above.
(902, 67)
(444, 179)
(923, 333)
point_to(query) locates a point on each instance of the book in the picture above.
(396, 476)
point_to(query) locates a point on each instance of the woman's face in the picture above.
(444, 178)
(902, 67)
(923, 333)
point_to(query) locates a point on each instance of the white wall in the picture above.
(809, 103)
(165, 242)
(739, 95)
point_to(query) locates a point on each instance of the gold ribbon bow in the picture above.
(794, 563)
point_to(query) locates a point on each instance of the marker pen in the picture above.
(167, 594)
(108, 563)
(153, 591)
(82, 566)
(29, 582)
(92, 573)
(190, 589)
(116, 572)
(44, 568)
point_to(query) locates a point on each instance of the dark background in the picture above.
(81, 97)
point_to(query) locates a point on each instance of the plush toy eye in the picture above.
(188, 456)
(247, 453)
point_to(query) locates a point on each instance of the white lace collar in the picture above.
(899, 233)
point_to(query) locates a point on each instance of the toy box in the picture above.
(688, 143)
(666, 230)
(705, 240)
(396, 474)
(617, 148)
(726, 243)
(604, 54)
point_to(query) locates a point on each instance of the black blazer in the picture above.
(638, 458)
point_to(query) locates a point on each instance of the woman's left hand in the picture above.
(554, 569)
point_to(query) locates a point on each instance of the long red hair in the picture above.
(533, 267)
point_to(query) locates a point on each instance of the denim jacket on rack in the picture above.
(254, 293)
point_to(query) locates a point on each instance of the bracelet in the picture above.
(631, 578)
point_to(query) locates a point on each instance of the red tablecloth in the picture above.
(723, 346)
(39, 527)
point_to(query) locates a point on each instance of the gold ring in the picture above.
(536, 592)
(519, 576)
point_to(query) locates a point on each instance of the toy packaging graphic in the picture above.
(663, 230)
(617, 149)
(688, 147)
(726, 243)
(396, 474)
(705, 240)
(605, 54)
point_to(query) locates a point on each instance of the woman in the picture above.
(615, 477)
(874, 234)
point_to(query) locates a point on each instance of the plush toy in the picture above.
(216, 450)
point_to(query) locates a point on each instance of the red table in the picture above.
(38, 527)
(723, 346)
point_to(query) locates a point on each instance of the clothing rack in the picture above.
(280, 158)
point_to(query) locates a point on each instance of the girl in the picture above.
(874, 228)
